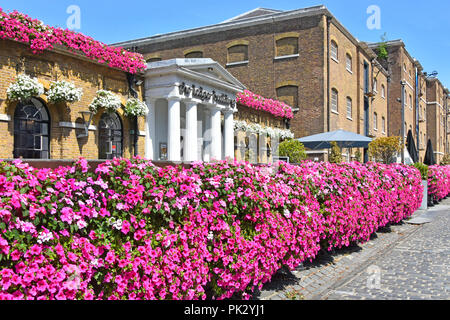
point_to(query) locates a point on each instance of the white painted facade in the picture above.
(191, 105)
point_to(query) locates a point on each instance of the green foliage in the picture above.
(358, 156)
(445, 160)
(423, 168)
(336, 154)
(382, 49)
(385, 149)
(293, 149)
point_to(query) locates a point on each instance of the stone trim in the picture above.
(73, 125)
(238, 43)
(287, 35)
(5, 118)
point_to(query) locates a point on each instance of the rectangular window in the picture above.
(375, 121)
(383, 124)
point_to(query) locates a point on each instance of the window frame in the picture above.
(334, 45)
(334, 92)
(349, 108)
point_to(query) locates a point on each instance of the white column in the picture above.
(216, 134)
(229, 135)
(150, 130)
(191, 143)
(173, 133)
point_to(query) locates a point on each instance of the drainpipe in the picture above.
(417, 108)
(328, 74)
(131, 83)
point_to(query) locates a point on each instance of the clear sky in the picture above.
(423, 25)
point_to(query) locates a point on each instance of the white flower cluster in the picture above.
(44, 237)
(105, 99)
(135, 108)
(63, 91)
(116, 224)
(256, 128)
(24, 89)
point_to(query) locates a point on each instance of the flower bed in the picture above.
(135, 231)
(254, 101)
(438, 182)
(20, 27)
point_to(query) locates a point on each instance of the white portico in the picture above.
(191, 104)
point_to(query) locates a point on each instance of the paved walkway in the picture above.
(400, 262)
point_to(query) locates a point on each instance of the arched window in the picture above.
(286, 46)
(349, 108)
(154, 59)
(334, 50)
(334, 100)
(31, 130)
(238, 53)
(349, 62)
(383, 91)
(194, 55)
(288, 94)
(110, 142)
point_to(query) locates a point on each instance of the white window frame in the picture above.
(349, 108)
(349, 62)
(335, 106)
(334, 54)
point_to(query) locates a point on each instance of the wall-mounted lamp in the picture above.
(87, 119)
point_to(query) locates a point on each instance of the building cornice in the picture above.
(237, 24)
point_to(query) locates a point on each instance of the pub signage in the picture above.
(204, 95)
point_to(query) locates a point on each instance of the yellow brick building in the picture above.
(57, 130)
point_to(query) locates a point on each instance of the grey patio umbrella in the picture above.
(344, 139)
(412, 147)
(429, 155)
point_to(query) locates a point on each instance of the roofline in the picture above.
(396, 43)
(284, 15)
(235, 24)
(248, 12)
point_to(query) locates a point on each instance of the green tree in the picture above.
(358, 156)
(293, 149)
(385, 149)
(336, 154)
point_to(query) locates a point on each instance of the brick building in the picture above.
(304, 57)
(39, 129)
(437, 99)
(425, 100)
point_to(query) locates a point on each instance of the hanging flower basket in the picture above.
(135, 108)
(63, 91)
(105, 99)
(255, 128)
(24, 89)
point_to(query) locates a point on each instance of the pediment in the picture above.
(206, 69)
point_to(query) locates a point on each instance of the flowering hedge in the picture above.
(438, 182)
(134, 231)
(254, 101)
(20, 27)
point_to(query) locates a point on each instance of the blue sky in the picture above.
(423, 25)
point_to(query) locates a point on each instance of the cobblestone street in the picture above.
(400, 262)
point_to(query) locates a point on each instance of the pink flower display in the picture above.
(438, 182)
(40, 37)
(275, 107)
(216, 230)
